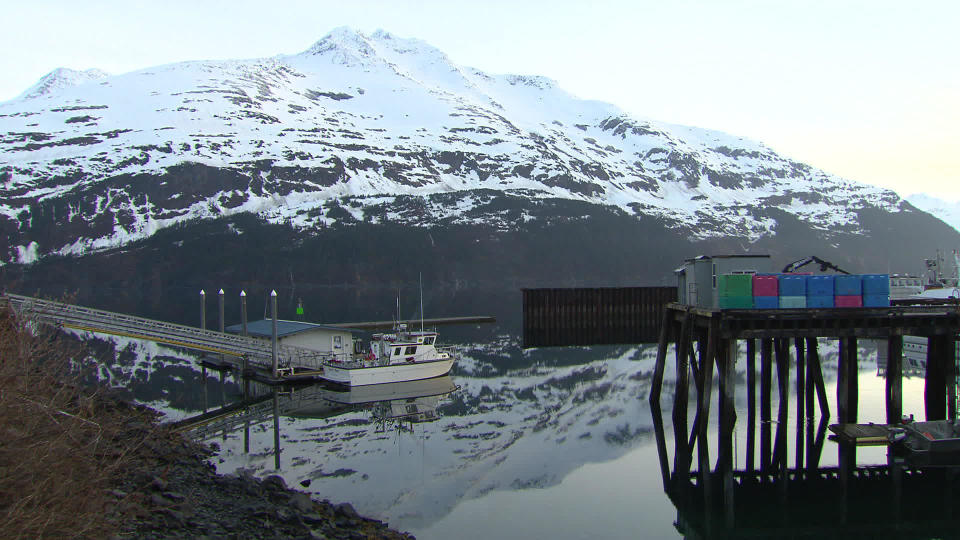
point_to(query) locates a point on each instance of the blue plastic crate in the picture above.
(876, 300)
(792, 285)
(820, 286)
(766, 302)
(876, 284)
(820, 301)
(848, 285)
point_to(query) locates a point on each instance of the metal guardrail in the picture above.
(257, 352)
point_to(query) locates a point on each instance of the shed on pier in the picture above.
(316, 337)
(697, 277)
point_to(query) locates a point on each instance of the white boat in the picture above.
(395, 357)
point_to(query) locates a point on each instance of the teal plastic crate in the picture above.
(736, 302)
(793, 302)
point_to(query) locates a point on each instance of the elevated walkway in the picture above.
(294, 363)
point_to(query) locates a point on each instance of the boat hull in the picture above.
(361, 376)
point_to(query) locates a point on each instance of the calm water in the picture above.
(549, 443)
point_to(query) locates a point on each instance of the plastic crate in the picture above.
(791, 285)
(793, 302)
(735, 302)
(876, 284)
(851, 285)
(820, 301)
(848, 300)
(820, 286)
(734, 285)
(766, 302)
(876, 300)
(765, 286)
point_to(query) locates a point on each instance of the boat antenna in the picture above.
(421, 301)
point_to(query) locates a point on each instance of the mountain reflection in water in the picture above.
(557, 443)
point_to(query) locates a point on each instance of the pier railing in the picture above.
(257, 352)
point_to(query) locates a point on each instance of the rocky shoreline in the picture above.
(169, 489)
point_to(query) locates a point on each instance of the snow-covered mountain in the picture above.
(376, 129)
(948, 212)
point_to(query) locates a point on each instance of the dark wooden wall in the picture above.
(594, 316)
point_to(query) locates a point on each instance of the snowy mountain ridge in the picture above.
(357, 122)
(948, 212)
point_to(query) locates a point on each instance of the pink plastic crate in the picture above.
(765, 285)
(848, 301)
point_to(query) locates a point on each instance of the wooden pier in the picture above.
(775, 333)
(711, 340)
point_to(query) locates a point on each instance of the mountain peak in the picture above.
(344, 45)
(62, 78)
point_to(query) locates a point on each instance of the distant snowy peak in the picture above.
(948, 212)
(352, 48)
(62, 78)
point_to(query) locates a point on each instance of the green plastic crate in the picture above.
(734, 285)
(736, 302)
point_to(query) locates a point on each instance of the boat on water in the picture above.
(393, 357)
(927, 444)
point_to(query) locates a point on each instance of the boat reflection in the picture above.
(389, 405)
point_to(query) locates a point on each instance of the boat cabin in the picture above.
(402, 347)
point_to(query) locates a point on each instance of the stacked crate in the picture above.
(735, 291)
(820, 291)
(876, 290)
(848, 291)
(792, 291)
(766, 291)
(798, 291)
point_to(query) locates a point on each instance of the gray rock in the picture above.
(274, 481)
(345, 509)
(313, 518)
(302, 502)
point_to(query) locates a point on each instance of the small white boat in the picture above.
(394, 357)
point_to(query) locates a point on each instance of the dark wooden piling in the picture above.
(935, 381)
(766, 379)
(751, 402)
(894, 379)
(847, 389)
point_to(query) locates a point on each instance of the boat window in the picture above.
(411, 350)
(428, 341)
(396, 351)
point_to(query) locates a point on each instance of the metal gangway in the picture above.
(240, 351)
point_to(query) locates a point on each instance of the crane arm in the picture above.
(824, 265)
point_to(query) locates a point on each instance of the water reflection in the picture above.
(397, 405)
(770, 497)
(566, 435)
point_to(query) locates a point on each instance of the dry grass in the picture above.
(59, 443)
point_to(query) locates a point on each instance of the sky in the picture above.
(868, 90)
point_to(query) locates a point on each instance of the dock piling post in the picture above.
(894, 381)
(273, 314)
(751, 401)
(766, 347)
